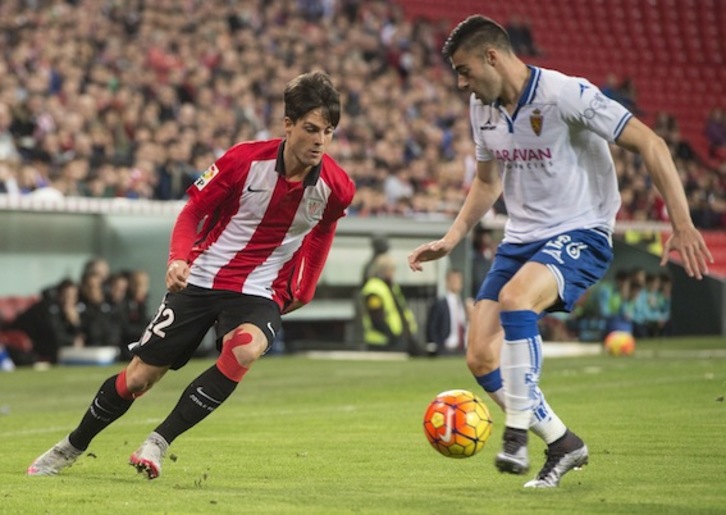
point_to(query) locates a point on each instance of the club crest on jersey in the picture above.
(206, 177)
(536, 121)
(313, 207)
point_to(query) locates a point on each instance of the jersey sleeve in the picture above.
(582, 103)
(339, 203)
(184, 232)
(208, 191)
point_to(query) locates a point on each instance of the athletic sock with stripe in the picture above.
(205, 394)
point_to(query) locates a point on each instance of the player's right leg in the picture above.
(484, 348)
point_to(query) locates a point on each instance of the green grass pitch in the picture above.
(304, 436)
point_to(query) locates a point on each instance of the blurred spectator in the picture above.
(53, 322)
(611, 297)
(176, 174)
(135, 311)
(680, 148)
(448, 316)
(116, 291)
(520, 34)
(97, 266)
(653, 305)
(716, 134)
(379, 247)
(622, 92)
(634, 308)
(98, 324)
(8, 149)
(662, 318)
(9, 177)
(483, 249)
(388, 323)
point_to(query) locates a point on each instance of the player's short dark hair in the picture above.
(477, 31)
(312, 91)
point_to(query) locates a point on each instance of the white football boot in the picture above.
(55, 459)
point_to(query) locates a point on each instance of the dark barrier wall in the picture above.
(698, 307)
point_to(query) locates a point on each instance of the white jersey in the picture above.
(554, 159)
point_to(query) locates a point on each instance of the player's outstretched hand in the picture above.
(694, 253)
(428, 252)
(176, 275)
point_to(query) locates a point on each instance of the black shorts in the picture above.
(184, 318)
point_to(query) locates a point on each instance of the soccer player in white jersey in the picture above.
(542, 141)
(268, 212)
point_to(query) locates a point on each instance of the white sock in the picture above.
(545, 423)
(498, 397)
(521, 361)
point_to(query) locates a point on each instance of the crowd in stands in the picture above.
(134, 99)
(101, 309)
(635, 301)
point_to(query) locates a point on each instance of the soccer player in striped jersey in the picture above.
(542, 141)
(248, 246)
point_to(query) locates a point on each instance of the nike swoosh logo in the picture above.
(251, 190)
(95, 403)
(449, 422)
(200, 392)
(269, 326)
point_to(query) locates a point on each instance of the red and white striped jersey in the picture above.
(263, 235)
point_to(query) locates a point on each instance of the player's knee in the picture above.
(240, 349)
(244, 345)
(481, 362)
(511, 300)
(135, 381)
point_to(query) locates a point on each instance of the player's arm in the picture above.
(686, 240)
(315, 252)
(485, 190)
(182, 240)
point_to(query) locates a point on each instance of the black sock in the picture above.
(515, 435)
(568, 442)
(106, 407)
(201, 397)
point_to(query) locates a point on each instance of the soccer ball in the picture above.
(457, 424)
(620, 343)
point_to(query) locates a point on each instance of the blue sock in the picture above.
(519, 325)
(491, 381)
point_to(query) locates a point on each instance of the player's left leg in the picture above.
(240, 348)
